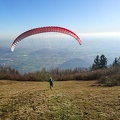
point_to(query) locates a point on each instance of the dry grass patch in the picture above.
(69, 100)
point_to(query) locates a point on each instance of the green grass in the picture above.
(69, 100)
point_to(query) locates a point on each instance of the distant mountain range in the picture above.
(42, 58)
(29, 57)
(73, 63)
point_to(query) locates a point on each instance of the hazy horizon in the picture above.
(96, 22)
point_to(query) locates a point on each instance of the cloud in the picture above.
(64, 36)
(100, 34)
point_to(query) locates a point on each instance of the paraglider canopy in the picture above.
(43, 30)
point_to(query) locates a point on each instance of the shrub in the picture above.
(110, 80)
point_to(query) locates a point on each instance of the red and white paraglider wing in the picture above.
(42, 30)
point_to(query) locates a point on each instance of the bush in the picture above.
(107, 76)
(110, 80)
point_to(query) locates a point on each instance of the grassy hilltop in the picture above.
(69, 100)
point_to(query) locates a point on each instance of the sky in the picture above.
(84, 17)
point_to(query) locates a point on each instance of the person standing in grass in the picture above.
(51, 82)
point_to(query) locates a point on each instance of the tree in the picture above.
(103, 61)
(96, 63)
(116, 62)
(100, 62)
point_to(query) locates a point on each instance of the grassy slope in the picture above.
(71, 100)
